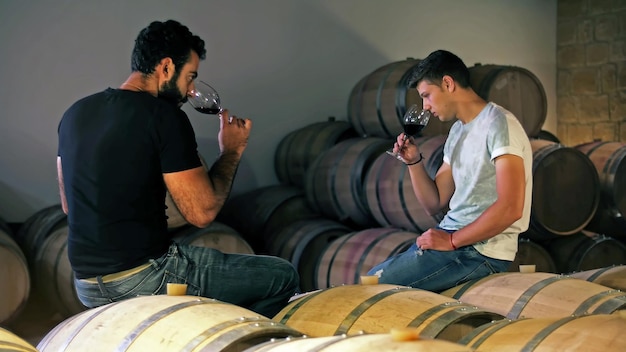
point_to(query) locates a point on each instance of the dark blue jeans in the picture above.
(260, 283)
(436, 270)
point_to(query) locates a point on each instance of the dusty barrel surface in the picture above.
(515, 89)
(379, 100)
(566, 189)
(335, 181)
(609, 159)
(164, 323)
(299, 148)
(599, 332)
(389, 193)
(354, 254)
(349, 309)
(14, 276)
(538, 295)
(611, 276)
(357, 343)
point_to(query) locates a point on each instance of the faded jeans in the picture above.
(435, 270)
(260, 283)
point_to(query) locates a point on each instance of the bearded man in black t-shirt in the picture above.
(119, 151)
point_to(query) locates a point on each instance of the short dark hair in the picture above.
(164, 39)
(440, 63)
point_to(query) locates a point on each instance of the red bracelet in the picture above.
(452, 243)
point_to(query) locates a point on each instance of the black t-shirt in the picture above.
(114, 147)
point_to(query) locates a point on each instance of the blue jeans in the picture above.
(436, 270)
(260, 283)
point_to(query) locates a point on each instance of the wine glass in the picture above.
(413, 122)
(205, 99)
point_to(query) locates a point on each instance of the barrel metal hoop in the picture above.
(525, 298)
(353, 316)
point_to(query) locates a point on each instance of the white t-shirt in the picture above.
(470, 150)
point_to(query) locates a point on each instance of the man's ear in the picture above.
(165, 69)
(448, 83)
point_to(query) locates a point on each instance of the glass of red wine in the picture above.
(413, 122)
(205, 99)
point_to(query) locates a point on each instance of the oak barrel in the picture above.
(379, 100)
(303, 242)
(14, 276)
(357, 343)
(348, 257)
(54, 276)
(538, 295)
(335, 181)
(298, 149)
(609, 159)
(610, 276)
(566, 189)
(389, 192)
(9, 342)
(349, 309)
(601, 332)
(164, 323)
(586, 250)
(515, 89)
(530, 252)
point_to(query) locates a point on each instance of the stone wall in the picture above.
(591, 68)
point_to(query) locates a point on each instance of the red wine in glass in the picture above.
(413, 122)
(205, 99)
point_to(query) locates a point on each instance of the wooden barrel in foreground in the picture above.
(538, 295)
(609, 159)
(14, 278)
(9, 342)
(515, 89)
(566, 189)
(349, 309)
(164, 323)
(599, 332)
(611, 276)
(357, 343)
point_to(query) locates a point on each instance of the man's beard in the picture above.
(170, 92)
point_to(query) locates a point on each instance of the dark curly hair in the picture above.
(438, 64)
(164, 39)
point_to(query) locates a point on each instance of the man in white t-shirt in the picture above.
(485, 181)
